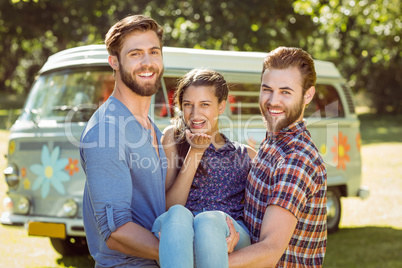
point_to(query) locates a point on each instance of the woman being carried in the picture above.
(205, 189)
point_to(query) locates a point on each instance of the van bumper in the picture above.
(73, 227)
(364, 192)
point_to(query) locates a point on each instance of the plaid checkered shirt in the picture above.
(289, 172)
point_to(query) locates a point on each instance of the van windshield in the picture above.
(72, 95)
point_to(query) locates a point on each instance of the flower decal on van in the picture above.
(340, 149)
(72, 166)
(26, 182)
(323, 149)
(50, 172)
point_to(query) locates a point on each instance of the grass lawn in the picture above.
(370, 232)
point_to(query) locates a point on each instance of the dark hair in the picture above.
(196, 77)
(285, 57)
(117, 33)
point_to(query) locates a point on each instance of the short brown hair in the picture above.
(285, 57)
(118, 32)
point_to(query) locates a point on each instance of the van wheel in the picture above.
(333, 209)
(70, 246)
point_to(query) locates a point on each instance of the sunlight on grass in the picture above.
(25, 251)
(370, 234)
(382, 172)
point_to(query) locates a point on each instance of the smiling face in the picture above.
(281, 98)
(201, 109)
(140, 64)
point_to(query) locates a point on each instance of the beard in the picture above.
(292, 114)
(147, 90)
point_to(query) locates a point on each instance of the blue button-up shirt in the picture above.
(125, 179)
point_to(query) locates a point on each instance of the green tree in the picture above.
(255, 25)
(363, 38)
(32, 30)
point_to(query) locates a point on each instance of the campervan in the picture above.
(44, 176)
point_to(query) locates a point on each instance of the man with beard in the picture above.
(285, 205)
(121, 154)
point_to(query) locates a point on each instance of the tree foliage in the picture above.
(361, 37)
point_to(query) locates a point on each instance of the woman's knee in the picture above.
(176, 214)
(180, 211)
(179, 214)
(210, 220)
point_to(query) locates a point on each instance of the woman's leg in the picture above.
(174, 229)
(210, 232)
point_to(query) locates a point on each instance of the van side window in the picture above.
(105, 89)
(243, 100)
(349, 98)
(325, 104)
(164, 101)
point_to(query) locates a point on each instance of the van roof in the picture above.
(179, 59)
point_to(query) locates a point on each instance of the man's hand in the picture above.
(233, 237)
(198, 140)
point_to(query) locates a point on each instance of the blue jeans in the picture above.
(184, 238)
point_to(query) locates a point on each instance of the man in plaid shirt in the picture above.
(285, 207)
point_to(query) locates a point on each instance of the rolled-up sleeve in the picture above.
(109, 183)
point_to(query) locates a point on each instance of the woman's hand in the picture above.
(233, 237)
(198, 140)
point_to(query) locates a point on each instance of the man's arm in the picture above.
(277, 228)
(134, 240)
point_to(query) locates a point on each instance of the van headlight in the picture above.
(22, 205)
(8, 204)
(70, 208)
(11, 173)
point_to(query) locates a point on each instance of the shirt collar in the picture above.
(228, 146)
